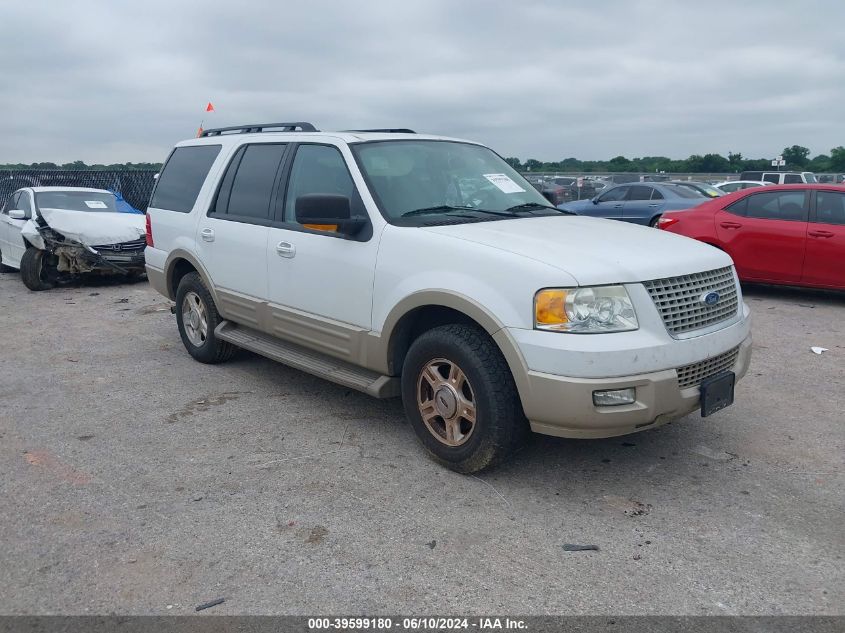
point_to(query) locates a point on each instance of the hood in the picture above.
(95, 228)
(593, 250)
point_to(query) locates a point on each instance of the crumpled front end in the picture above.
(70, 250)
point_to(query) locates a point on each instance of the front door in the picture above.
(766, 235)
(824, 264)
(232, 237)
(610, 204)
(11, 242)
(320, 282)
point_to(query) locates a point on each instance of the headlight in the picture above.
(584, 310)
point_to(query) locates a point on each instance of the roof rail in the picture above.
(388, 130)
(297, 126)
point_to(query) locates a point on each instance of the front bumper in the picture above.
(563, 406)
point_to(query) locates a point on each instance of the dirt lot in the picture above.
(135, 480)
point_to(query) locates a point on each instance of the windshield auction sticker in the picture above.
(96, 204)
(504, 183)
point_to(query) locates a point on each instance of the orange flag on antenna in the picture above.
(199, 132)
(209, 107)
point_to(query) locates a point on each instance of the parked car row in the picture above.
(640, 203)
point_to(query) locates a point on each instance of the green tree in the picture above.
(820, 163)
(796, 156)
(735, 161)
(837, 159)
(514, 162)
(619, 163)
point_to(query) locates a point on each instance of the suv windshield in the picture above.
(76, 201)
(414, 179)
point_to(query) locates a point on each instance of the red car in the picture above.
(783, 234)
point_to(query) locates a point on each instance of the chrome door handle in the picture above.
(617, 206)
(207, 235)
(285, 249)
(654, 205)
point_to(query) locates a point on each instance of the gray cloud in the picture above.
(111, 81)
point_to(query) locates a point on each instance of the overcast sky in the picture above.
(117, 81)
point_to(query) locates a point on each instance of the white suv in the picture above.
(424, 267)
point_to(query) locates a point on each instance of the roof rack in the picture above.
(388, 130)
(297, 126)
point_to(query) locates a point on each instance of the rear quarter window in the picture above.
(182, 177)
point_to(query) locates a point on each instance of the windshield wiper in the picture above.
(441, 208)
(533, 205)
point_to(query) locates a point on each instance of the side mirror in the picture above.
(327, 212)
(595, 200)
(17, 214)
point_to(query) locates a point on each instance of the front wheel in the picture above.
(461, 399)
(36, 273)
(196, 317)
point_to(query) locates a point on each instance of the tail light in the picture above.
(149, 231)
(665, 223)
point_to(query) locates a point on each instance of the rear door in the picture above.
(643, 203)
(610, 204)
(232, 237)
(765, 233)
(824, 264)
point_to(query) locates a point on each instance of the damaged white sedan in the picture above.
(50, 233)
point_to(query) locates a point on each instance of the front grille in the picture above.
(123, 247)
(693, 375)
(678, 299)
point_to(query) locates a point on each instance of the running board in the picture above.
(309, 361)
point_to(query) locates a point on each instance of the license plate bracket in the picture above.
(717, 392)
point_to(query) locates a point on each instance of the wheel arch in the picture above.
(428, 309)
(179, 263)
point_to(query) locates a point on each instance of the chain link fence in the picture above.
(136, 187)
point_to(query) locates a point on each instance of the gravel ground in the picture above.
(137, 481)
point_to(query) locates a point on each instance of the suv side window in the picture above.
(640, 192)
(614, 195)
(830, 207)
(318, 169)
(247, 187)
(182, 177)
(777, 205)
(774, 178)
(792, 179)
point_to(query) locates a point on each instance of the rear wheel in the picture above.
(461, 399)
(197, 317)
(36, 273)
(654, 221)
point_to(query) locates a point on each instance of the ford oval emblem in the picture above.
(709, 298)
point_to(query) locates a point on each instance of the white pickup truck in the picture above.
(402, 264)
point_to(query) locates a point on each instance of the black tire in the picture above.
(211, 350)
(500, 423)
(35, 272)
(654, 221)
